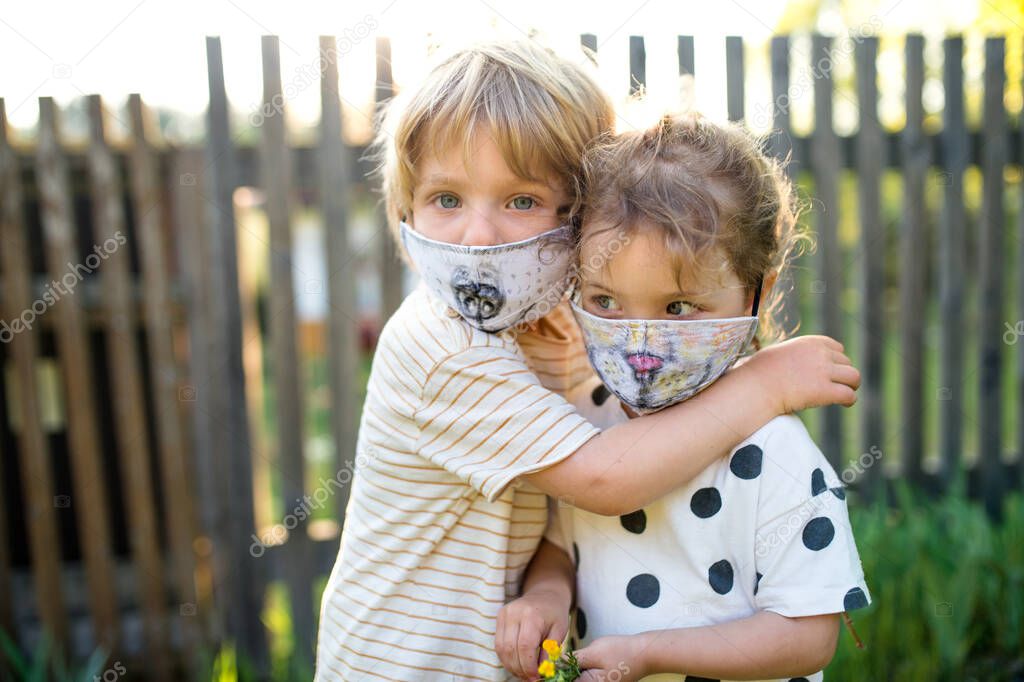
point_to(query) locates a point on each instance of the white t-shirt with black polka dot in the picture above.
(765, 528)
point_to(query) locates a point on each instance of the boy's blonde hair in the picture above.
(540, 109)
(704, 186)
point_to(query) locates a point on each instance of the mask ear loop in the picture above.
(757, 297)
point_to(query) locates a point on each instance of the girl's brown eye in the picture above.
(680, 308)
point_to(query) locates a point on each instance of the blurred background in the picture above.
(194, 268)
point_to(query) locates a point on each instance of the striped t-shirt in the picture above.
(438, 531)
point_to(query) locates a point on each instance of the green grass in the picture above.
(947, 587)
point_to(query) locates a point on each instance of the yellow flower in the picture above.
(546, 670)
(551, 646)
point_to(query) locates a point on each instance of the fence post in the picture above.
(872, 237)
(684, 53)
(1020, 307)
(734, 77)
(913, 255)
(952, 230)
(335, 186)
(275, 167)
(637, 65)
(781, 147)
(34, 452)
(991, 246)
(828, 288)
(90, 498)
(238, 575)
(391, 270)
(130, 427)
(148, 204)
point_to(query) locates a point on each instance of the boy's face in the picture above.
(482, 202)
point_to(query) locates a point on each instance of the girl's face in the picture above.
(650, 366)
(483, 203)
(633, 280)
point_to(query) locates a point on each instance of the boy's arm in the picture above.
(632, 464)
(762, 646)
(542, 612)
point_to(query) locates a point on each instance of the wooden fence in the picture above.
(128, 520)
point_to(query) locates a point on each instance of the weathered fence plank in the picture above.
(390, 264)
(952, 231)
(780, 145)
(734, 77)
(239, 578)
(871, 255)
(637, 65)
(913, 255)
(342, 323)
(828, 287)
(126, 381)
(34, 453)
(990, 288)
(147, 208)
(288, 391)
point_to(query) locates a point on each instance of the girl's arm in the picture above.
(542, 612)
(632, 464)
(762, 646)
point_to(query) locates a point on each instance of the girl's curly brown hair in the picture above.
(703, 185)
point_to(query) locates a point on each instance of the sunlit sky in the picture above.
(157, 48)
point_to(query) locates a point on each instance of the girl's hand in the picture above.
(806, 371)
(524, 624)
(613, 658)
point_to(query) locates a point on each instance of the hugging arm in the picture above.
(632, 464)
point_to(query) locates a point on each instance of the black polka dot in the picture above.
(746, 463)
(581, 624)
(576, 554)
(634, 522)
(643, 590)
(818, 485)
(757, 582)
(818, 533)
(706, 502)
(855, 599)
(600, 394)
(720, 576)
(839, 492)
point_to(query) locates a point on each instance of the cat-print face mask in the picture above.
(495, 287)
(651, 364)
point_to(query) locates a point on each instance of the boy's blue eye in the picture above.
(523, 203)
(605, 302)
(680, 308)
(448, 201)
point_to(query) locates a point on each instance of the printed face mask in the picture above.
(495, 287)
(651, 364)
